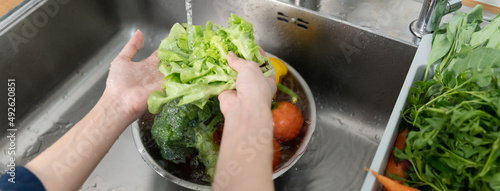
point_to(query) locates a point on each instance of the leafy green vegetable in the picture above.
(186, 131)
(196, 75)
(454, 142)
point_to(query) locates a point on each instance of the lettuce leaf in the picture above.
(196, 75)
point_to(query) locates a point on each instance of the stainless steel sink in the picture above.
(59, 53)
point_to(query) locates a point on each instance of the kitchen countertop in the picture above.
(7, 5)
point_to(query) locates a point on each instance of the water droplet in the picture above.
(32, 129)
(81, 73)
(340, 122)
(69, 125)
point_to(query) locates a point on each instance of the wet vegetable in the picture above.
(186, 131)
(195, 75)
(280, 67)
(454, 141)
(288, 121)
(294, 98)
(389, 184)
(397, 168)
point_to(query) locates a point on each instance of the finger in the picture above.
(132, 46)
(272, 77)
(272, 83)
(262, 52)
(235, 62)
(223, 96)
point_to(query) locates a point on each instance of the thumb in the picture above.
(235, 62)
(132, 47)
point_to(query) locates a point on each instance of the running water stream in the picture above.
(189, 11)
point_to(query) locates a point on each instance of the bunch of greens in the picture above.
(194, 75)
(186, 132)
(454, 142)
(189, 112)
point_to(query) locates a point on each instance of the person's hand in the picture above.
(246, 150)
(85, 144)
(132, 82)
(252, 87)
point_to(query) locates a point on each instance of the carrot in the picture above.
(398, 169)
(389, 184)
(400, 139)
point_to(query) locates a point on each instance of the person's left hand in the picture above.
(132, 82)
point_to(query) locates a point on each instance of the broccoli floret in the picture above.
(182, 130)
(208, 150)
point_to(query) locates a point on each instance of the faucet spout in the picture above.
(430, 15)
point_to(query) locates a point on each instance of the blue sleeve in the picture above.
(20, 179)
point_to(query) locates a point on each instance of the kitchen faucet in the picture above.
(430, 15)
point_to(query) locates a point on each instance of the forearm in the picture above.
(68, 162)
(245, 158)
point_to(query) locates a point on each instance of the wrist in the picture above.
(249, 119)
(116, 109)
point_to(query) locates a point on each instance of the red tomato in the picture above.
(277, 153)
(288, 121)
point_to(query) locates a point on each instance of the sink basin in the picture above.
(59, 53)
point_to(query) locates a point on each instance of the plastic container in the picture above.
(415, 73)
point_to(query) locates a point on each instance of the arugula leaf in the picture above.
(454, 140)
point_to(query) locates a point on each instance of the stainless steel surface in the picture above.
(385, 17)
(59, 53)
(308, 129)
(431, 14)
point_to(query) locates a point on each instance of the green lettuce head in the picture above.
(195, 75)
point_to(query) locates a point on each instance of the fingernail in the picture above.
(231, 54)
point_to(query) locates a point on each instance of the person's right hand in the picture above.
(246, 151)
(252, 87)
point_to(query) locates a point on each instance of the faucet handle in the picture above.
(431, 14)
